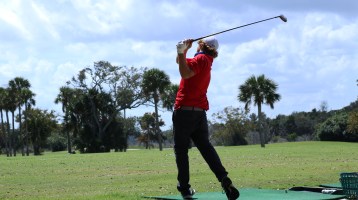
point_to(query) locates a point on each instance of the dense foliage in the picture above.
(94, 104)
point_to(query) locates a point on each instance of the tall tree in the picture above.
(28, 97)
(259, 90)
(106, 90)
(3, 94)
(154, 83)
(10, 106)
(64, 97)
(99, 89)
(22, 93)
(129, 94)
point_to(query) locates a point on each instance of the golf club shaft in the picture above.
(283, 18)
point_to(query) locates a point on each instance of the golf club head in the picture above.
(283, 18)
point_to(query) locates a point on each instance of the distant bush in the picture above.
(292, 137)
(57, 142)
(334, 128)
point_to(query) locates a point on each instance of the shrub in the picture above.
(57, 142)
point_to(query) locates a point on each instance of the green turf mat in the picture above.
(332, 185)
(259, 194)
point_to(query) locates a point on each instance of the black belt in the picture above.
(192, 108)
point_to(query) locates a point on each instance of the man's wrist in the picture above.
(183, 53)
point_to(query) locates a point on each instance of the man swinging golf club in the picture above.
(189, 117)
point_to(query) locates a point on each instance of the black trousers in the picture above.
(193, 125)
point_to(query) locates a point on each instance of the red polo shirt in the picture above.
(192, 91)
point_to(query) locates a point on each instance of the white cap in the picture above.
(212, 42)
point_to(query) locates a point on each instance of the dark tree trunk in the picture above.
(9, 138)
(5, 134)
(69, 147)
(22, 139)
(36, 150)
(13, 134)
(160, 139)
(27, 138)
(262, 137)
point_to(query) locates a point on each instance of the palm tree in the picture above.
(3, 94)
(65, 98)
(154, 83)
(28, 99)
(18, 85)
(259, 90)
(10, 106)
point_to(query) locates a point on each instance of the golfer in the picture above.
(189, 117)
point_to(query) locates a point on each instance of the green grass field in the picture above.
(137, 173)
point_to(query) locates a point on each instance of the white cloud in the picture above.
(42, 14)
(312, 57)
(9, 13)
(309, 62)
(172, 11)
(63, 73)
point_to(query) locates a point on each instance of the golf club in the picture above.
(283, 18)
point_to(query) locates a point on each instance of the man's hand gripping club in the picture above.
(182, 48)
(184, 45)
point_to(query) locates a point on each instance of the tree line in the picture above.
(94, 104)
(234, 126)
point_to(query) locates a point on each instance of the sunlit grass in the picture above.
(137, 173)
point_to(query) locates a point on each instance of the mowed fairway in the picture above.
(137, 173)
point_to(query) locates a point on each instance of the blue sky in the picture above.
(313, 57)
